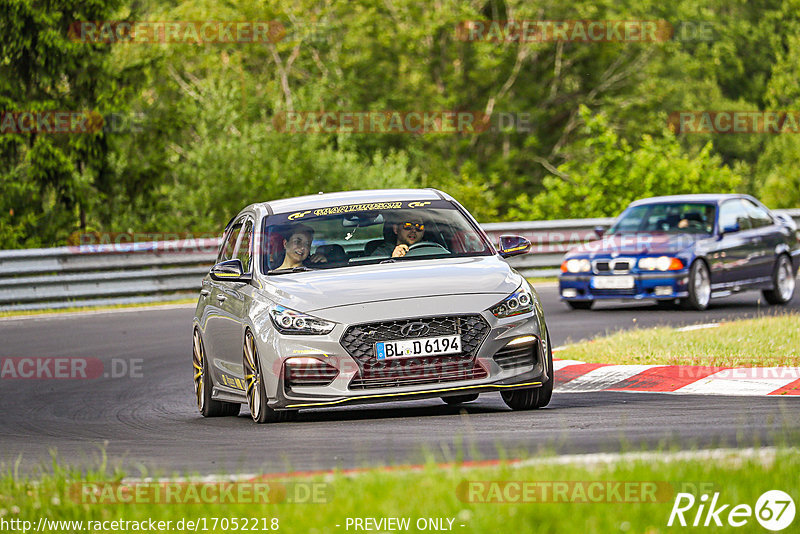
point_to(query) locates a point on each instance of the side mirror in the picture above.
(231, 270)
(730, 229)
(600, 230)
(513, 245)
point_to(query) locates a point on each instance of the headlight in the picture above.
(291, 322)
(576, 266)
(519, 302)
(662, 263)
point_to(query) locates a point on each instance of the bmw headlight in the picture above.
(661, 263)
(292, 322)
(576, 265)
(519, 302)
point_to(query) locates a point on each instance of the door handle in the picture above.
(205, 292)
(222, 298)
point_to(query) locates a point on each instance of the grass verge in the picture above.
(761, 342)
(543, 280)
(627, 495)
(25, 313)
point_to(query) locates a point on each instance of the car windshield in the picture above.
(677, 217)
(350, 235)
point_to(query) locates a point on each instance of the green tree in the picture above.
(611, 172)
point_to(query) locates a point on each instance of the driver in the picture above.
(298, 246)
(409, 230)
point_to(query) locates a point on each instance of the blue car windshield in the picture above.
(679, 217)
(350, 235)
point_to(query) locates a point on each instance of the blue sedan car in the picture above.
(685, 249)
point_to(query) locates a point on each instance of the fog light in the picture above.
(521, 340)
(662, 291)
(569, 292)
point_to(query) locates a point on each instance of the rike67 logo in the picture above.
(774, 510)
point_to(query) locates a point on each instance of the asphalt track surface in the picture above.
(148, 423)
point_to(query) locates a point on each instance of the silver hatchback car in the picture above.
(364, 297)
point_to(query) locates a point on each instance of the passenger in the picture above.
(297, 246)
(408, 232)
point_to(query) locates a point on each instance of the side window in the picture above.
(758, 216)
(244, 252)
(733, 212)
(226, 252)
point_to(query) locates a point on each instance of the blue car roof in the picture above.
(707, 198)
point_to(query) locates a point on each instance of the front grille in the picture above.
(359, 341)
(616, 266)
(522, 355)
(317, 373)
(418, 373)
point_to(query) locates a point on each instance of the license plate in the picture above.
(612, 282)
(426, 346)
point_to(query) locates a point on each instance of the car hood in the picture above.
(319, 290)
(637, 244)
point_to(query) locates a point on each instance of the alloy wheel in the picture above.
(252, 376)
(198, 358)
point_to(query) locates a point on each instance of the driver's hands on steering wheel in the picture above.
(399, 251)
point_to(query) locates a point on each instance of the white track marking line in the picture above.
(697, 327)
(743, 381)
(603, 377)
(560, 364)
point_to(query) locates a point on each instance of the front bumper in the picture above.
(649, 285)
(276, 349)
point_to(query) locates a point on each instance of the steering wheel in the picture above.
(427, 245)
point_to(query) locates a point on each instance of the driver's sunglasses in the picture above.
(418, 226)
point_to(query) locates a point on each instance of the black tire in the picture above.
(254, 387)
(203, 385)
(580, 304)
(533, 398)
(783, 282)
(460, 399)
(699, 287)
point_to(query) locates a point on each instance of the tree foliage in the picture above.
(611, 172)
(590, 130)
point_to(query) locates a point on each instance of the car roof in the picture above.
(706, 198)
(325, 200)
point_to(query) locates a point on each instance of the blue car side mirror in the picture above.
(731, 228)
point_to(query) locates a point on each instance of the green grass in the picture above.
(543, 280)
(25, 313)
(443, 492)
(761, 342)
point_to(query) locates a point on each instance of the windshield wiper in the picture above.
(390, 260)
(298, 269)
